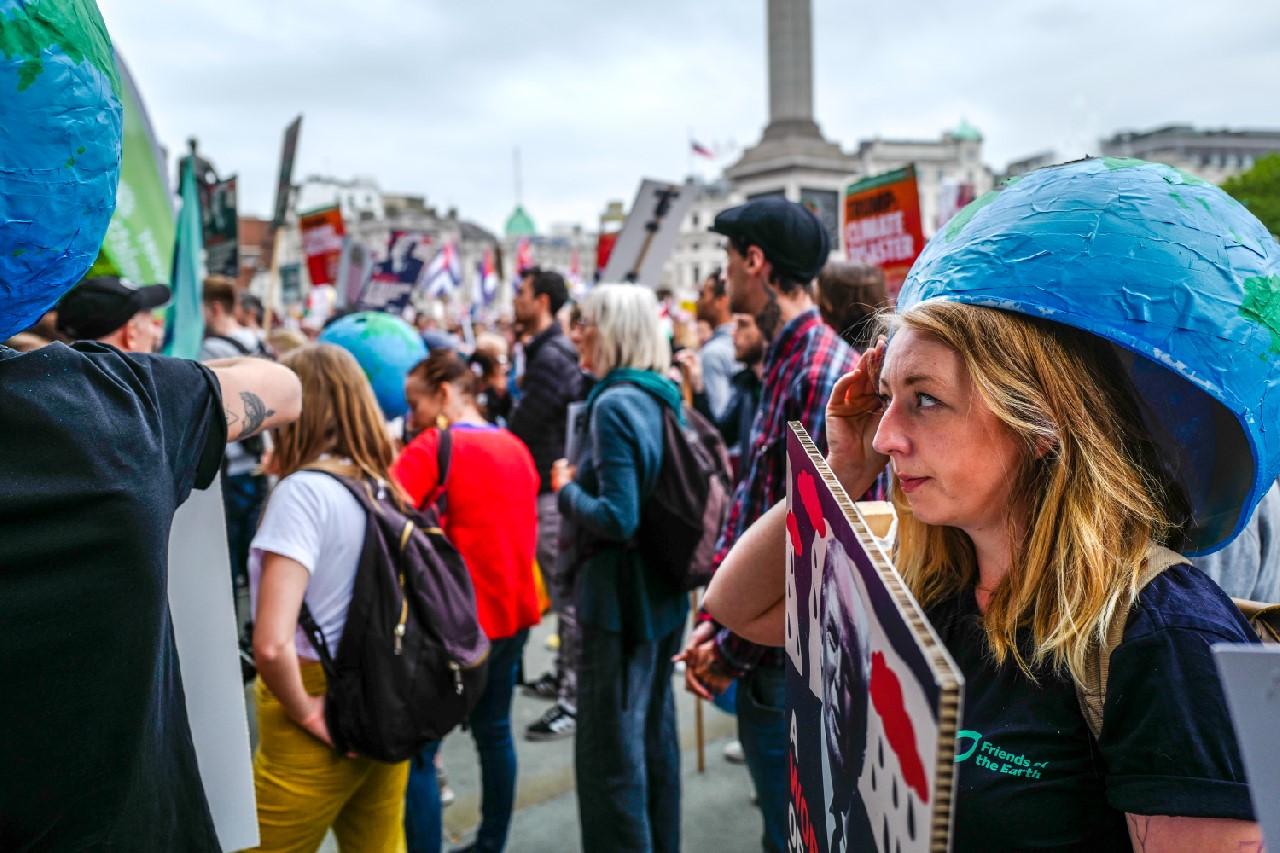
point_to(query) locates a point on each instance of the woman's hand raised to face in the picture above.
(853, 414)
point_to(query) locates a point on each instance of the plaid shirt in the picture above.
(800, 368)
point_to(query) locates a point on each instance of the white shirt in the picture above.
(313, 519)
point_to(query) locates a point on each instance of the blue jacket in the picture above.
(617, 469)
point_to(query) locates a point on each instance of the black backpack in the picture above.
(681, 518)
(412, 661)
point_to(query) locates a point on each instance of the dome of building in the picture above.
(966, 132)
(519, 223)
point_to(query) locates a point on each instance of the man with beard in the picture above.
(774, 248)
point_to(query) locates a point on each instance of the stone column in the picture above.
(790, 26)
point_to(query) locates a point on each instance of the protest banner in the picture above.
(139, 240)
(873, 697)
(284, 176)
(398, 273)
(221, 227)
(322, 243)
(649, 233)
(290, 284)
(880, 224)
(355, 266)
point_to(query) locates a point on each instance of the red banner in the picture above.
(880, 224)
(322, 232)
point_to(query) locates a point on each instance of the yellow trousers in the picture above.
(304, 787)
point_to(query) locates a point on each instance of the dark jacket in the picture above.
(552, 380)
(618, 467)
(734, 423)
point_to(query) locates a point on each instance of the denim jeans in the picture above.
(762, 728)
(490, 724)
(627, 753)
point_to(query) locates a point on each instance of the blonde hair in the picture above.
(628, 333)
(1091, 492)
(340, 417)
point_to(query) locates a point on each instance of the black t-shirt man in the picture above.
(99, 450)
(1030, 774)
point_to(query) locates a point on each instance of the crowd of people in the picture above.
(538, 446)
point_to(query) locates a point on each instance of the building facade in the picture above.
(1213, 155)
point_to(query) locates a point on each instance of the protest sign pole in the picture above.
(697, 709)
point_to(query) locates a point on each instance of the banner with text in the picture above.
(322, 232)
(880, 224)
(218, 219)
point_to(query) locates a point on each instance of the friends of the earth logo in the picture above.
(989, 756)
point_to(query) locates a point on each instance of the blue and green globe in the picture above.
(60, 122)
(1175, 274)
(385, 347)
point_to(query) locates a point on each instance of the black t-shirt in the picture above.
(99, 449)
(1031, 775)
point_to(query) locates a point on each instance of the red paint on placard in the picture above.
(793, 527)
(809, 499)
(886, 696)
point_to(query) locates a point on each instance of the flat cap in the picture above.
(792, 238)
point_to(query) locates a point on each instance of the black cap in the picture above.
(792, 238)
(98, 306)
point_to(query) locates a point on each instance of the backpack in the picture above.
(412, 661)
(681, 519)
(1092, 693)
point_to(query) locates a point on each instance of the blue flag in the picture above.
(184, 323)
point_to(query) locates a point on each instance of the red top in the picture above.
(492, 496)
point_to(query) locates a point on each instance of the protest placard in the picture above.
(873, 697)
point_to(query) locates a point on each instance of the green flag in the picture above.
(184, 324)
(139, 241)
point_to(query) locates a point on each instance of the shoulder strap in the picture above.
(1262, 617)
(308, 624)
(240, 348)
(1092, 692)
(444, 457)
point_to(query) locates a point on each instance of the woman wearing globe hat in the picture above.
(1060, 406)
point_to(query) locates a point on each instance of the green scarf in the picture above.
(657, 385)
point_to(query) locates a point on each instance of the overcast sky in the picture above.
(431, 96)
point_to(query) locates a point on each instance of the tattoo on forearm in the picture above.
(255, 413)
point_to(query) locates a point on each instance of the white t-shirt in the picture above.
(313, 519)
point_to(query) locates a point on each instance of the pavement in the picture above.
(717, 811)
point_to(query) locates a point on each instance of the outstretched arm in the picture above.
(256, 395)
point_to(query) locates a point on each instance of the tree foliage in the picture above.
(1259, 190)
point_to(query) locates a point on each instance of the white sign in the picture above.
(204, 628)
(649, 234)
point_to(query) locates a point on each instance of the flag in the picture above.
(184, 323)
(443, 273)
(524, 256)
(575, 266)
(487, 278)
(701, 150)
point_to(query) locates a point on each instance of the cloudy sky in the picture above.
(431, 96)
